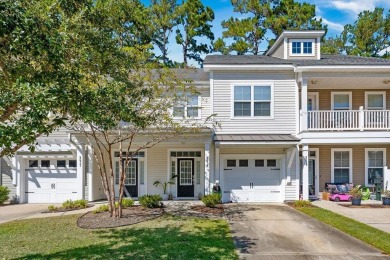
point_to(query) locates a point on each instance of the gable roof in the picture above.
(326, 60)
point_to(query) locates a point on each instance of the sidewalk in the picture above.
(376, 217)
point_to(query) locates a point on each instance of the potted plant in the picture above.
(164, 185)
(386, 197)
(356, 194)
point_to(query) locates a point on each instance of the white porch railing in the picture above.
(346, 120)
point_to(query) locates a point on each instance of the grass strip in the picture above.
(168, 237)
(366, 233)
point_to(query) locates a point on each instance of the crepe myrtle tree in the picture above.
(130, 116)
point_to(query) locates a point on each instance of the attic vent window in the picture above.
(302, 48)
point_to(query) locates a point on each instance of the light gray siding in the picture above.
(279, 51)
(6, 179)
(284, 120)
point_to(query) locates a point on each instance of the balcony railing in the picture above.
(324, 120)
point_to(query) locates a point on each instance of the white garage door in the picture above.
(252, 180)
(51, 181)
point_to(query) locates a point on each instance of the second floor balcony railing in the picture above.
(360, 120)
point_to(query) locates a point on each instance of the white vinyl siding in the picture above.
(284, 113)
(6, 178)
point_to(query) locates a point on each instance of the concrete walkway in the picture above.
(376, 217)
(280, 232)
(26, 211)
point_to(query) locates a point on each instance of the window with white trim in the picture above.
(342, 165)
(375, 161)
(189, 108)
(252, 101)
(375, 100)
(341, 100)
(302, 47)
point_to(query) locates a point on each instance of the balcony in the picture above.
(345, 120)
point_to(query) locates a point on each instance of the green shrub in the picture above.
(211, 200)
(127, 202)
(52, 208)
(151, 201)
(80, 204)
(4, 192)
(302, 204)
(68, 204)
(101, 208)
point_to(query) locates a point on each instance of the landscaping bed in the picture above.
(62, 209)
(130, 216)
(217, 210)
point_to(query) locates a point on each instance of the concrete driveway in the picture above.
(280, 232)
(20, 211)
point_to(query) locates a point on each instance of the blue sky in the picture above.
(335, 13)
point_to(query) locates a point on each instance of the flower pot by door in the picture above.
(165, 196)
(385, 201)
(356, 202)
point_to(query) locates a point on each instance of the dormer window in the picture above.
(302, 47)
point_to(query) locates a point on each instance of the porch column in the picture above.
(217, 177)
(304, 105)
(89, 160)
(386, 178)
(207, 168)
(305, 172)
(80, 171)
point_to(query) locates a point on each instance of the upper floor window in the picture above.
(341, 100)
(188, 108)
(252, 101)
(302, 47)
(375, 100)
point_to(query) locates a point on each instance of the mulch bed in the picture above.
(61, 209)
(217, 210)
(130, 216)
(371, 206)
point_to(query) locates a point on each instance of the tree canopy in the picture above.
(368, 36)
(261, 16)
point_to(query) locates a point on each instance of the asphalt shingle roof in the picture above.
(326, 60)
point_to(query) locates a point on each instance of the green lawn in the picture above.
(167, 237)
(366, 233)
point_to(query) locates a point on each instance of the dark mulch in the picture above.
(371, 206)
(217, 210)
(130, 216)
(61, 209)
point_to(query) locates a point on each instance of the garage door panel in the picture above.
(54, 185)
(254, 183)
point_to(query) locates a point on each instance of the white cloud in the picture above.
(355, 6)
(334, 26)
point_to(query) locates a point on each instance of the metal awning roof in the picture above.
(256, 138)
